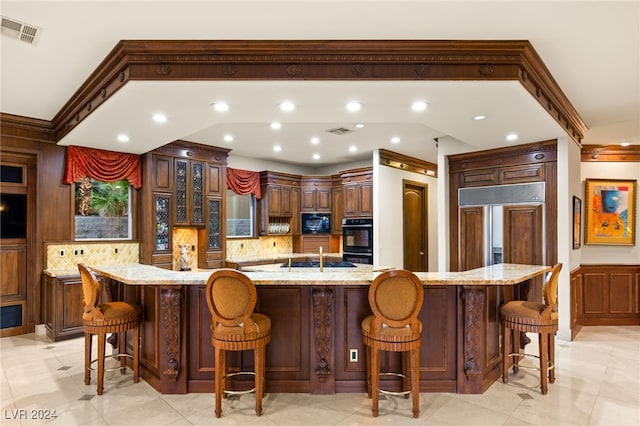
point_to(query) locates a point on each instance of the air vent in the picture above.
(340, 131)
(20, 31)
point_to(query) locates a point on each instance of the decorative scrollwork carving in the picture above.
(229, 69)
(473, 298)
(163, 69)
(485, 69)
(422, 69)
(170, 299)
(358, 69)
(294, 69)
(322, 312)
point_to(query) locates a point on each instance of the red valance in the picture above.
(107, 166)
(244, 182)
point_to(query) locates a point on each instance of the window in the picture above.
(241, 216)
(102, 210)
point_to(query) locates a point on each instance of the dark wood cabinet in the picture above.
(358, 193)
(609, 295)
(63, 306)
(188, 187)
(315, 194)
(280, 203)
(337, 209)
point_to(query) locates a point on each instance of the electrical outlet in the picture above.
(353, 355)
(61, 253)
(81, 252)
(116, 250)
(75, 252)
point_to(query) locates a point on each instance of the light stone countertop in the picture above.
(502, 274)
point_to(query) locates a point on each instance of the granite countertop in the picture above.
(502, 274)
(283, 257)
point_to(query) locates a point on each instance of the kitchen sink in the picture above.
(316, 264)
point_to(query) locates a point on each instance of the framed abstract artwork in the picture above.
(610, 212)
(577, 221)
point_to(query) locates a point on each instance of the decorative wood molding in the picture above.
(473, 299)
(605, 153)
(170, 302)
(321, 60)
(404, 162)
(19, 127)
(537, 152)
(322, 299)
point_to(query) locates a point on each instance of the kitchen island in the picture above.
(316, 345)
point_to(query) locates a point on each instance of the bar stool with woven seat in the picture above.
(395, 298)
(521, 316)
(103, 318)
(231, 297)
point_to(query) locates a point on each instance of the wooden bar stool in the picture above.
(103, 318)
(395, 298)
(521, 316)
(231, 297)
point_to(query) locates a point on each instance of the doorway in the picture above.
(415, 226)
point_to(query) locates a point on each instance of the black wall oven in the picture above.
(357, 240)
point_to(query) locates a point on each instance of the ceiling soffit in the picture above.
(320, 60)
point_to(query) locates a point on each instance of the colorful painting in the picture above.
(577, 221)
(610, 212)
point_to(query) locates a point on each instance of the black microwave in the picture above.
(316, 223)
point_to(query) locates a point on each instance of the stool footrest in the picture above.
(239, 373)
(386, 392)
(93, 361)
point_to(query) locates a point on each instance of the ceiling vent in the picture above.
(20, 31)
(340, 131)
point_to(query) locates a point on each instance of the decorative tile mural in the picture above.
(185, 237)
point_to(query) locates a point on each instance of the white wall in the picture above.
(618, 255)
(388, 215)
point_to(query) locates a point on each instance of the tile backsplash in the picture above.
(66, 256)
(261, 247)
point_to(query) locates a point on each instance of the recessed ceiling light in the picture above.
(221, 106)
(353, 148)
(479, 117)
(354, 106)
(159, 118)
(395, 139)
(625, 143)
(123, 138)
(419, 106)
(287, 106)
(359, 125)
(275, 125)
(512, 137)
(277, 148)
(316, 156)
(228, 138)
(315, 140)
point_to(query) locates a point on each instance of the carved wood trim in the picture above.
(537, 152)
(603, 153)
(19, 127)
(404, 162)
(322, 299)
(321, 60)
(473, 299)
(170, 302)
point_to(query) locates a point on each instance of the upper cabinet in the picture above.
(280, 203)
(189, 189)
(315, 194)
(358, 193)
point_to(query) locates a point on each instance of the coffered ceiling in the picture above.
(591, 49)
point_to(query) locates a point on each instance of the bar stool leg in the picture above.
(122, 349)
(415, 381)
(552, 357)
(219, 376)
(544, 371)
(87, 357)
(506, 350)
(375, 380)
(258, 361)
(136, 354)
(368, 360)
(102, 337)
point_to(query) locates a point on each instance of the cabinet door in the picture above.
(287, 201)
(308, 201)
(196, 194)
(161, 255)
(350, 200)
(365, 199)
(182, 172)
(296, 228)
(337, 210)
(323, 200)
(162, 173)
(274, 200)
(214, 179)
(211, 240)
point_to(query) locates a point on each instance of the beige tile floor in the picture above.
(598, 383)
